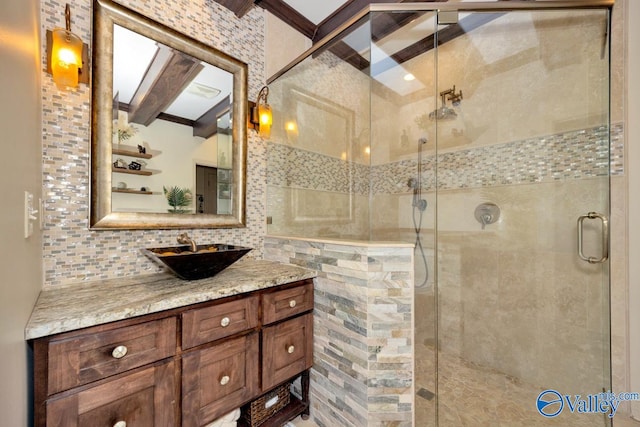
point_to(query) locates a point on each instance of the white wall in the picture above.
(20, 170)
(173, 164)
(633, 171)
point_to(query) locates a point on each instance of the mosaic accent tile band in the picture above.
(569, 155)
(363, 345)
(291, 167)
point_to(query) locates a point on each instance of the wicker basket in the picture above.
(261, 409)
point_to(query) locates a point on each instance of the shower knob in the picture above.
(487, 213)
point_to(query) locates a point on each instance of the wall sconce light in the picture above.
(66, 55)
(260, 115)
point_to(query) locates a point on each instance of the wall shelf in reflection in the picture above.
(130, 191)
(131, 152)
(131, 171)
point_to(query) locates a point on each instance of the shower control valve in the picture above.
(487, 213)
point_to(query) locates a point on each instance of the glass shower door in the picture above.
(521, 131)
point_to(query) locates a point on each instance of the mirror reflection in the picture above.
(172, 129)
(168, 134)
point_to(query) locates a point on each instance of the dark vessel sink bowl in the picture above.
(208, 261)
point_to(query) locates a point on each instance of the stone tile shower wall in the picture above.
(363, 344)
(486, 282)
(71, 252)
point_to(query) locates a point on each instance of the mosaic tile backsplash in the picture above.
(72, 253)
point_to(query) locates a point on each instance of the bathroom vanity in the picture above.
(159, 351)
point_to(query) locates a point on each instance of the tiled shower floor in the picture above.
(481, 398)
(476, 397)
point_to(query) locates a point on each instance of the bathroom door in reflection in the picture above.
(522, 132)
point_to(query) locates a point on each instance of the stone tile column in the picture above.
(363, 345)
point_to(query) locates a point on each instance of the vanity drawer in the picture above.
(143, 398)
(208, 324)
(282, 304)
(287, 350)
(88, 357)
(219, 378)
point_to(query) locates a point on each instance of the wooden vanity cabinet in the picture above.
(220, 378)
(186, 366)
(91, 356)
(142, 398)
(287, 350)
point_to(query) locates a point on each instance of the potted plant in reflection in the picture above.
(125, 132)
(178, 198)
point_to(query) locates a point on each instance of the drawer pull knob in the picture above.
(291, 349)
(118, 353)
(292, 303)
(225, 322)
(120, 424)
(224, 380)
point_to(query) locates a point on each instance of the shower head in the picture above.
(444, 112)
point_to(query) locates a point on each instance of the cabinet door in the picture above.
(141, 399)
(279, 305)
(89, 357)
(287, 350)
(203, 325)
(219, 378)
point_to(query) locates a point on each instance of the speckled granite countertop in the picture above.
(82, 305)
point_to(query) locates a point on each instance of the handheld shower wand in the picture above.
(416, 183)
(419, 206)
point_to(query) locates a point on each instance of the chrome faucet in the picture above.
(186, 240)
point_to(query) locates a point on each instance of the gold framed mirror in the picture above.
(168, 127)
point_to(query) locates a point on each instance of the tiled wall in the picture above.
(363, 344)
(494, 283)
(578, 154)
(72, 253)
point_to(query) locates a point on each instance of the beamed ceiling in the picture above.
(291, 16)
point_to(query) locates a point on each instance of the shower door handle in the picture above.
(605, 238)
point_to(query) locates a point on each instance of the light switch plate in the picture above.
(29, 214)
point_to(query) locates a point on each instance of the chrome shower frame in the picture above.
(418, 204)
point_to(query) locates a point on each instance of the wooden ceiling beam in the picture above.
(289, 15)
(342, 15)
(350, 9)
(426, 44)
(238, 7)
(207, 124)
(168, 74)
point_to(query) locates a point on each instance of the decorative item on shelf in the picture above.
(67, 55)
(120, 164)
(144, 189)
(142, 149)
(122, 185)
(125, 132)
(137, 164)
(178, 198)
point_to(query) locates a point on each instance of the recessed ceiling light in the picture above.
(203, 91)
